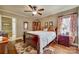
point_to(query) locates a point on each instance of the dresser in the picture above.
(63, 40)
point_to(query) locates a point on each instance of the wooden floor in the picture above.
(10, 49)
(59, 49)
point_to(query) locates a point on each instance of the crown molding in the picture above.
(13, 13)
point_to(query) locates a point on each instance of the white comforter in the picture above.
(45, 38)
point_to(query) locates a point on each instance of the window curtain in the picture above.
(59, 25)
(73, 27)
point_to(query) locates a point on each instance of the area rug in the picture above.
(22, 48)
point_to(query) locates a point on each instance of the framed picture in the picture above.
(46, 24)
(50, 23)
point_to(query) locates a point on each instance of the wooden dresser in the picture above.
(63, 40)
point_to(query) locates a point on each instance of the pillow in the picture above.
(1, 38)
(46, 29)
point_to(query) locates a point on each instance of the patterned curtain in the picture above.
(73, 27)
(59, 25)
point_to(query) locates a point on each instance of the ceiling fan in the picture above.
(34, 10)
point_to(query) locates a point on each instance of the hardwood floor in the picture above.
(59, 49)
(10, 49)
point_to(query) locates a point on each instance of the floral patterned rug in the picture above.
(24, 48)
(28, 49)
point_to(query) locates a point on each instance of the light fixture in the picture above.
(34, 12)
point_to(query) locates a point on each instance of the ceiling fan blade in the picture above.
(34, 7)
(27, 11)
(30, 6)
(40, 13)
(41, 9)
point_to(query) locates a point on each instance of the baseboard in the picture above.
(13, 39)
(75, 45)
(19, 38)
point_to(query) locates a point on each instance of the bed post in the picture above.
(24, 36)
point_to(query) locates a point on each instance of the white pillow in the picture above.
(45, 29)
(0, 38)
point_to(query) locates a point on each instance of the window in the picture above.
(65, 27)
(25, 25)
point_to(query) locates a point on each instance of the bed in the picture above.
(43, 38)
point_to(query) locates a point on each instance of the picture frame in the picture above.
(51, 23)
(46, 24)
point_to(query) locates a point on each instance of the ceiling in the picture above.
(49, 9)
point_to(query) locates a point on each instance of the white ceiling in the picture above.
(49, 9)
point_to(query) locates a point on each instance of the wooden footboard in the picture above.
(32, 39)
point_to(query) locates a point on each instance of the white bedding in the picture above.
(45, 38)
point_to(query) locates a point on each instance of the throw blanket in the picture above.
(45, 37)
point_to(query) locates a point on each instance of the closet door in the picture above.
(7, 25)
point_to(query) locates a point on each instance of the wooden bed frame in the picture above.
(32, 40)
